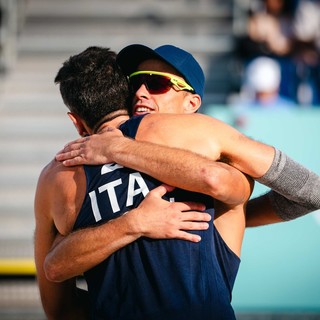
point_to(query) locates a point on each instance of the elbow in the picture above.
(226, 185)
(52, 271)
(212, 182)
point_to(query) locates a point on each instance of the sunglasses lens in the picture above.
(158, 84)
(155, 84)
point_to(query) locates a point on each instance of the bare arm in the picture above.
(261, 212)
(193, 171)
(251, 157)
(194, 132)
(59, 300)
(154, 218)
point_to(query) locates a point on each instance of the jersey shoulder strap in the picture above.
(130, 127)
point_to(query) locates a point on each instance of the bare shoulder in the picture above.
(55, 175)
(60, 193)
(196, 123)
(195, 132)
(158, 119)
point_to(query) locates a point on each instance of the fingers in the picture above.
(72, 158)
(193, 225)
(63, 155)
(195, 216)
(161, 190)
(74, 145)
(188, 206)
(73, 162)
(72, 153)
(182, 235)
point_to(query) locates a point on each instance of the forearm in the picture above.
(83, 249)
(296, 189)
(295, 193)
(260, 211)
(155, 218)
(247, 155)
(172, 166)
(181, 168)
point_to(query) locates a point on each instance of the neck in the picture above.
(113, 119)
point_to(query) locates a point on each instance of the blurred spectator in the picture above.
(269, 29)
(261, 85)
(260, 90)
(272, 27)
(262, 82)
(306, 28)
(270, 33)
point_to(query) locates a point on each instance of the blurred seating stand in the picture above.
(12, 15)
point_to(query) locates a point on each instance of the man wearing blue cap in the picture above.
(131, 57)
(140, 63)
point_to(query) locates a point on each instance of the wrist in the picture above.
(132, 224)
(120, 150)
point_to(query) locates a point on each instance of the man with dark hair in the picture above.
(134, 274)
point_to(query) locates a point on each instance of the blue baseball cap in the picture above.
(131, 56)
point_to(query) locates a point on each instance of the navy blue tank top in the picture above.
(154, 279)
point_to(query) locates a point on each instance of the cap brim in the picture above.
(131, 56)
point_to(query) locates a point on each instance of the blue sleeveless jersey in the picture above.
(154, 279)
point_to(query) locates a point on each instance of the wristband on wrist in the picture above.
(296, 190)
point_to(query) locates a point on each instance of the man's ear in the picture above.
(78, 123)
(194, 103)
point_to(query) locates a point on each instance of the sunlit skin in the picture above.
(173, 101)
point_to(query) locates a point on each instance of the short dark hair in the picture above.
(92, 85)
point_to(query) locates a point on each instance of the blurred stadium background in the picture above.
(279, 276)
